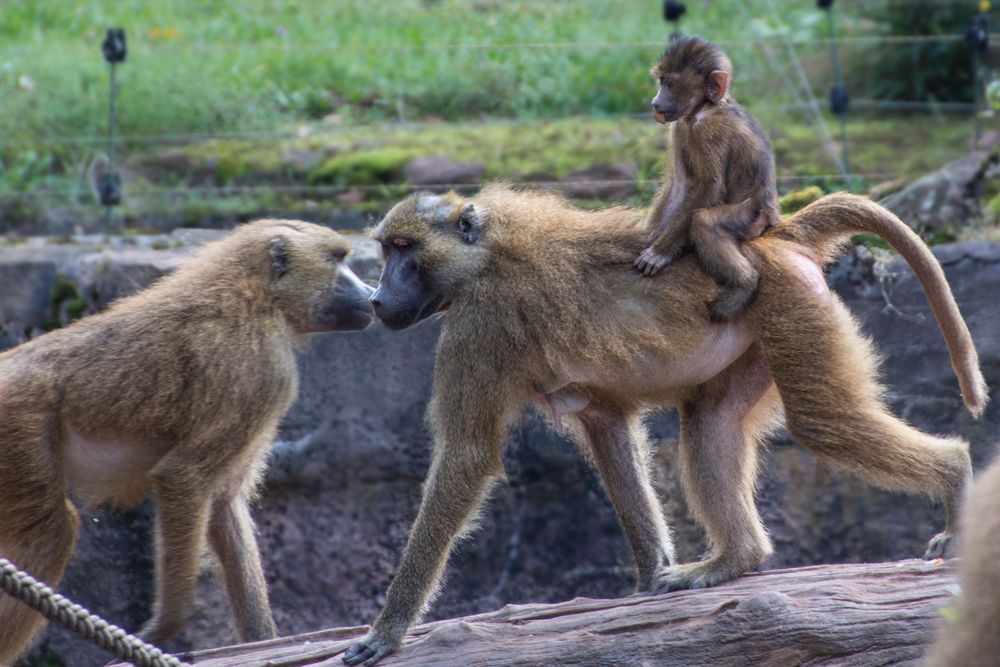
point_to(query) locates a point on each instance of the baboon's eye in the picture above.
(669, 84)
(402, 243)
(338, 255)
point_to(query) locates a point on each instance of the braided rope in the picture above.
(54, 606)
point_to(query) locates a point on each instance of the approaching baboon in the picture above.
(719, 187)
(603, 344)
(174, 392)
(971, 638)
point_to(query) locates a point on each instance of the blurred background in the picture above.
(332, 110)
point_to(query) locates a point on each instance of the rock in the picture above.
(346, 473)
(943, 200)
(882, 190)
(441, 170)
(301, 160)
(351, 196)
(601, 181)
(799, 199)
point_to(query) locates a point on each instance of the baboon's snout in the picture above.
(349, 308)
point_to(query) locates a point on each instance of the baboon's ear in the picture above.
(469, 223)
(717, 86)
(279, 255)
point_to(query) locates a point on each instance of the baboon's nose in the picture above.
(376, 301)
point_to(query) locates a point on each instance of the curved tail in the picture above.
(825, 225)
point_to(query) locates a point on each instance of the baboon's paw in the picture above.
(369, 650)
(693, 575)
(941, 545)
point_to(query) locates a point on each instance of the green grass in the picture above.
(222, 66)
(525, 150)
(523, 86)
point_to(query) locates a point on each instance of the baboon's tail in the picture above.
(825, 225)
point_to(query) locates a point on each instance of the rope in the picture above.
(55, 607)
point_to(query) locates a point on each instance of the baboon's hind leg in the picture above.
(720, 431)
(826, 373)
(38, 528)
(716, 233)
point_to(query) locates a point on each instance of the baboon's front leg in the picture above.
(720, 429)
(231, 535)
(619, 449)
(181, 520)
(459, 477)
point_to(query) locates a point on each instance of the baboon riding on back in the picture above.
(543, 304)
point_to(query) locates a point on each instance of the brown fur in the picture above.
(174, 392)
(971, 638)
(602, 344)
(719, 184)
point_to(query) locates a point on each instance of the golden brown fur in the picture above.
(971, 636)
(601, 344)
(174, 392)
(719, 183)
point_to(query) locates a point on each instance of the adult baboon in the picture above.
(595, 339)
(174, 392)
(971, 638)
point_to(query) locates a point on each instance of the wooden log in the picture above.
(850, 615)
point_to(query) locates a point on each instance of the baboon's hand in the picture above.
(372, 648)
(650, 261)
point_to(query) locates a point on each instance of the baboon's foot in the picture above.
(702, 574)
(941, 545)
(371, 648)
(729, 303)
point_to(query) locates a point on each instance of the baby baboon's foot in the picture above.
(370, 649)
(729, 303)
(941, 545)
(703, 574)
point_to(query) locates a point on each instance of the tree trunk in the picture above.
(863, 615)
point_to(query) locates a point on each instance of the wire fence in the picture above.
(305, 129)
(73, 195)
(780, 45)
(188, 46)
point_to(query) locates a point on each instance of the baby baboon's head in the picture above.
(691, 72)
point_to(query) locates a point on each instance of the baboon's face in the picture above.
(431, 246)
(679, 94)
(313, 286)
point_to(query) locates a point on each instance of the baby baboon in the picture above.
(603, 344)
(174, 392)
(971, 638)
(719, 185)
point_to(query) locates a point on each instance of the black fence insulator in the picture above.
(111, 189)
(840, 100)
(672, 11)
(824, 4)
(977, 37)
(113, 46)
